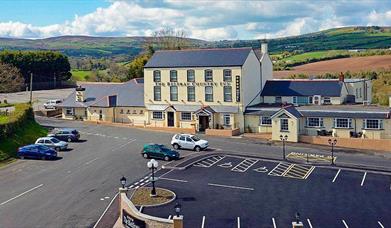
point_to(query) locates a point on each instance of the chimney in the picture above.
(263, 46)
(341, 77)
(80, 94)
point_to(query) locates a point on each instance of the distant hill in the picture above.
(97, 47)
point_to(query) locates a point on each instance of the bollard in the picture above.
(297, 225)
(178, 221)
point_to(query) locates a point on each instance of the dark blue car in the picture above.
(36, 151)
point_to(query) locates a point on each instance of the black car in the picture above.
(65, 134)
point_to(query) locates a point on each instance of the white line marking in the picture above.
(229, 186)
(346, 225)
(169, 217)
(107, 208)
(203, 222)
(363, 178)
(91, 161)
(381, 225)
(21, 194)
(238, 222)
(177, 180)
(309, 223)
(336, 175)
(274, 223)
(115, 149)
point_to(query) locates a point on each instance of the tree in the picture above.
(170, 39)
(11, 80)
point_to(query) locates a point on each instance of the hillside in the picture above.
(97, 47)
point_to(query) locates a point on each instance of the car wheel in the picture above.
(57, 149)
(176, 146)
(22, 157)
(197, 148)
(166, 158)
(145, 156)
(69, 140)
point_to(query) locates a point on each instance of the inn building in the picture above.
(205, 88)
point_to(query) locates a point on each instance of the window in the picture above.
(122, 111)
(182, 138)
(190, 76)
(227, 119)
(326, 100)
(128, 112)
(134, 112)
(342, 123)
(209, 93)
(265, 120)
(356, 92)
(141, 112)
(185, 115)
(191, 93)
(314, 122)
(294, 100)
(157, 93)
(173, 76)
(174, 93)
(208, 75)
(360, 92)
(41, 141)
(228, 93)
(157, 115)
(188, 139)
(284, 125)
(156, 76)
(373, 124)
(278, 100)
(227, 75)
(310, 100)
(69, 111)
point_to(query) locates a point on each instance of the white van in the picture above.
(51, 104)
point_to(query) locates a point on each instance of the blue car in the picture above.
(36, 151)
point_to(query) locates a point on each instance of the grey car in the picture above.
(52, 143)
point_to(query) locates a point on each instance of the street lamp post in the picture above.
(283, 139)
(123, 181)
(332, 143)
(153, 164)
(177, 209)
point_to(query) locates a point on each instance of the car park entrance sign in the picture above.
(130, 222)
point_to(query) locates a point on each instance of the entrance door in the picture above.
(170, 119)
(203, 123)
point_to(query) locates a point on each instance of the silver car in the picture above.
(52, 143)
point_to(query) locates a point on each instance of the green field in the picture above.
(315, 54)
(3, 119)
(80, 75)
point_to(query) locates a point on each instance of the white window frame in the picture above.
(157, 115)
(208, 75)
(310, 100)
(282, 125)
(294, 100)
(227, 75)
(349, 123)
(173, 76)
(186, 116)
(209, 95)
(227, 120)
(157, 76)
(191, 97)
(264, 121)
(191, 75)
(157, 95)
(326, 100)
(69, 111)
(173, 94)
(379, 124)
(227, 93)
(278, 98)
(319, 120)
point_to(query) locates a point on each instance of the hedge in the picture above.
(17, 118)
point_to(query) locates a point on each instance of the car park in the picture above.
(52, 143)
(51, 104)
(37, 152)
(65, 134)
(187, 141)
(159, 151)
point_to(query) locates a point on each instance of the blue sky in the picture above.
(209, 20)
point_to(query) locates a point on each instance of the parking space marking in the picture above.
(203, 222)
(209, 162)
(381, 225)
(346, 225)
(21, 194)
(309, 223)
(230, 186)
(244, 165)
(123, 145)
(292, 170)
(238, 222)
(336, 175)
(177, 180)
(363, 178)
(226, 165)
(261, 169)
(274, 223)
(280, 169)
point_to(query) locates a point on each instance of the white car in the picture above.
(52, 143)
(187, 141)
(51, 104)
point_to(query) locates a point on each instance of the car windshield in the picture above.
(55, 140)
(195, 138)
(74, 132)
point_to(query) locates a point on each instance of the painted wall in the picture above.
(134, 115)
(292, 133)
(251, 80)
(266, 68)
(107, 114)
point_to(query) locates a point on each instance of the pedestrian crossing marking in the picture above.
(244, 165)
(209, 162)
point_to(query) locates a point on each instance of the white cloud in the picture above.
(380, 19)
(215, 33)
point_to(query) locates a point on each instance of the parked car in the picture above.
(187, 141)
(36, 151)
(159, 151)
(52, 143)
(65, 134)
(51, 104)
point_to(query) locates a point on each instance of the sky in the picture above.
(208, 20)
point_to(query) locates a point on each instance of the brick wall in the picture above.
(223, 132)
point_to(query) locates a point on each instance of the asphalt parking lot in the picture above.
(224, 191)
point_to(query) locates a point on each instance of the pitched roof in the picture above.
(199, 58)
(129, 94)
(331, 88)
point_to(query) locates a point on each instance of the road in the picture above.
(75, 190)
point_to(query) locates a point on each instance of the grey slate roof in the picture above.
(199, 58)
(129, 94)
(331, 88)
(292, 110)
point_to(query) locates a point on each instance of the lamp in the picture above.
(123, 181)
(177, 209)
(153, 164)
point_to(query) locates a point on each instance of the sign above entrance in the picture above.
(192, 83)
(130, 222)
